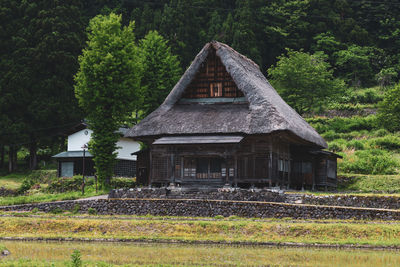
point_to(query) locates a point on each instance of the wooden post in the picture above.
(313, 173)
(235, 177)
(150, 166)
(289, 171)
(270, 162)
(172, 178)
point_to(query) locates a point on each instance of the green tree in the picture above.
(304, 81)
(354, 64)
(389, 109)
(107, 86)
(161, 71)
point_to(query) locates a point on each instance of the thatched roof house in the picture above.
(224, 103)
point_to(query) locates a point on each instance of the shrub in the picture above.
(57, 210)
(355, 144)
(389, 142)
(76, 209)
(372, 161)
(35, 210)
(381, 132)
(330, 135)
(337, 145)
(68, 184)
(92, 211)
(76, 260)
(122, 182)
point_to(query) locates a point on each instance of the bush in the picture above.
(76, 260)
(92, 211)
(337, 145)
(43, 176)
(66, 184)
(57, 210)
(122, 182)
(389, 142)
(381, 132)
(372, 161)
(355, 144)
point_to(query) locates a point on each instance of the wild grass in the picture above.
(139, 254)
(13, 180)
(46, 197)
(369, 183)
(275, 231)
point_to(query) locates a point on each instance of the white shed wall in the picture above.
(127, 146)
(78, 139)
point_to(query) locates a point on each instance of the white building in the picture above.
(70, 162)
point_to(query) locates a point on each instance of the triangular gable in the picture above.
(212, 81)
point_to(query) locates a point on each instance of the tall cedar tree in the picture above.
(161, 70)
(107, 86)
(304, 81)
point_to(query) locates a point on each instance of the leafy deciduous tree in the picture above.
(304, 80)
(161, 70)
(107, 86)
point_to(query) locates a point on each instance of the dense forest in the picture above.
(40, 42)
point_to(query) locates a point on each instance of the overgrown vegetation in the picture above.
(181, 229)
(141, 254)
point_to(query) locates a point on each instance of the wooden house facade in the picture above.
(224, 124)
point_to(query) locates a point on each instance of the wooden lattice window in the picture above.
(212, 81)
(160, 167)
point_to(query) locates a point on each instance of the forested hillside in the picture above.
(354, 43)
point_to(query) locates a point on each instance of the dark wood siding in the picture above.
(212, 80)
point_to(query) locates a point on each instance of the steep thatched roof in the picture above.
(265, 111)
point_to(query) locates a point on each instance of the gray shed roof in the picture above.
(73, 154)
(266, 112)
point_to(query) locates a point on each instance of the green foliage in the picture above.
(161, 71)
(76, 260)
(107, 86)
(304, 81)
(386, 76)
(344, 125)
(389, 110)
(57, 210)
(372, 161)
(92, 211)
(388, 142)
(35, 210)
(76, 209)
(369, 183)
(67, 184)
(122, 182)
(355, 64)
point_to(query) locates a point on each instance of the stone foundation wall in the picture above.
(211, 208)
(379, 202)
(216, 194)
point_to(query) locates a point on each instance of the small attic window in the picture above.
(216, 89)
(212, 81)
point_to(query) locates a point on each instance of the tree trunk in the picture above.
(33, 155)
(15, 159)
(10, 159)
(1, 156)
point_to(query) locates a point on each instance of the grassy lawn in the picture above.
(13, 180)
(204, 230)
(46, 197)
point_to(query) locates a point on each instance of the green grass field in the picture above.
(277, 231)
